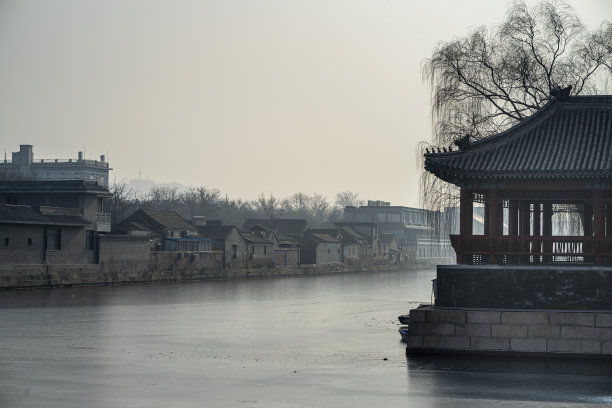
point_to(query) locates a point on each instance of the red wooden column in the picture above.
(513, 218)
(536, 220)
(587, 226)
(466, 212)
(547, 228)
(494, 221)
(587, 220)
(466, 215)
(524, 219)
(598, 222)
(609, 218)
(524, 229)
(537, 244)
(598, 214)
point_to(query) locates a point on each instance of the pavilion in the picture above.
(559, 160)
(539, 280)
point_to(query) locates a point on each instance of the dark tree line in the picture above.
(315, 209)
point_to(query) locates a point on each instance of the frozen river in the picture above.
(317, 341)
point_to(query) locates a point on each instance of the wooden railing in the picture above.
(486, 249)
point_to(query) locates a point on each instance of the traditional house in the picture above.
(422, 235)
(355, 246)
(370, 231)
(260, 246)
(227, 239)
(53, 222)
(286, 251)
(188, 244)
(164, 227)
(293, 228)
(320, 249)
(390, 249)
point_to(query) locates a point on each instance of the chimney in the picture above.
(80, 156)
(102, 158)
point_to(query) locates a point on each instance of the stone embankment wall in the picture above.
(510, 332)
(162, 267)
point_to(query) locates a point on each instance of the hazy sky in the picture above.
(245, 96)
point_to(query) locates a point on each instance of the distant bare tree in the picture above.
(319, 208)
(487, 81)
(163, 198)
(200, 201)
(268, 206)
(343, 199)
(348, 198)
(296, 205)
(123, 202)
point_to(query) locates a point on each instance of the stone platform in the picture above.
(510, 332)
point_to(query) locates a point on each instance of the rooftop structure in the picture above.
(23, 166)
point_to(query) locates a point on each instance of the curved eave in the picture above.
(458, 178)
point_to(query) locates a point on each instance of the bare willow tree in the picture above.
(488, 80)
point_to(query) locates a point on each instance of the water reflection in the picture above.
(474, 380)
(511, 365)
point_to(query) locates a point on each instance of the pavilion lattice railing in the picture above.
(486, 249)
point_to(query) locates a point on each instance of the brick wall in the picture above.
(525, 287)
(72, 250)
(25, 244)
(475, 331)
(287, 257)
(124, 247)
(164, 267)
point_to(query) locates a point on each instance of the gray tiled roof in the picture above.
(254, 239)
(53, 186)
(290, 226)
(23, 214)
(216, 232)
(567, 138)
(169, 219)
(323, 238)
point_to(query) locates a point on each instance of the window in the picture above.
(53, 239)
(29, 242)
(11, 200)
(6, 241)
(234, 251)
(90, 239)
(265, 250)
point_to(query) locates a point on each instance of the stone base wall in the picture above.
(524, 287)
(159, 269)
(481, 331)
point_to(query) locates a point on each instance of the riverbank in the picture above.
(124, 272)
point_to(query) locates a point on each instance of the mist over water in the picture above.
(283, 342)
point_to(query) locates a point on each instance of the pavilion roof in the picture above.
(569, 137)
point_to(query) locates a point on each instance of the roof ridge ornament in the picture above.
(463, 143)
(561, 93)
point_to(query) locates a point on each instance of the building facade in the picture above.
(53, 222)
(23, 166)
